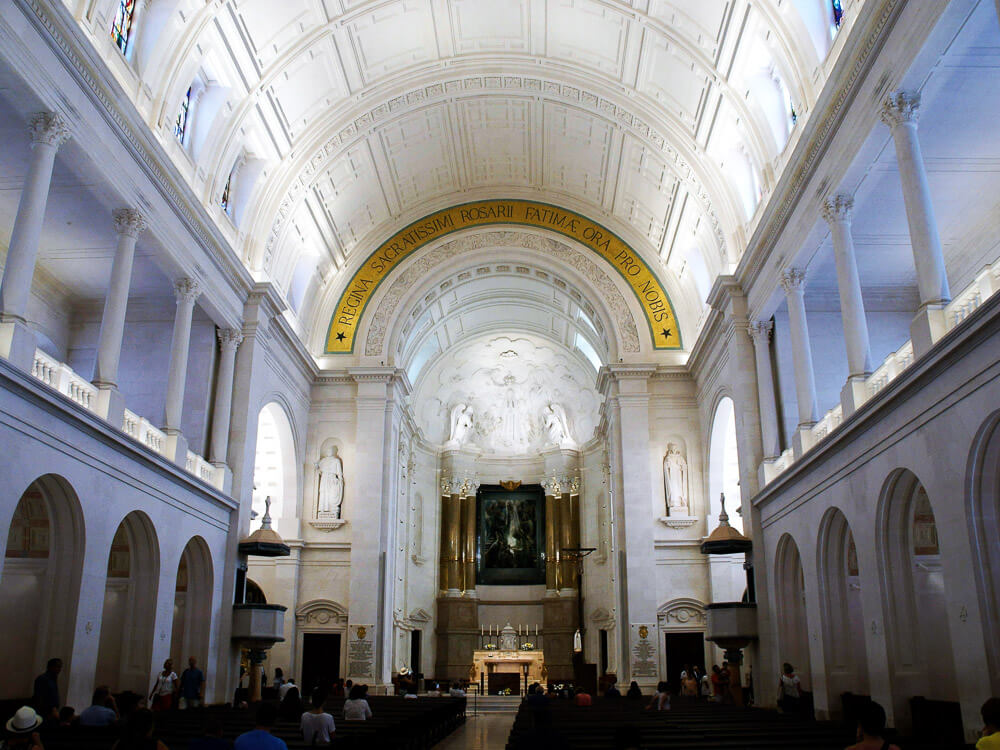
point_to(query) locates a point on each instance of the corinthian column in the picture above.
(129, 224)
(793, 282)
(837, 213)
(17, 343)
(899, 112)
(760, 332)
(186, 291)
(229, 341)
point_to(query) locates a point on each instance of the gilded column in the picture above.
(551, 561)
(469, 537)
(451, 550)
(567, 565)
(574, 511)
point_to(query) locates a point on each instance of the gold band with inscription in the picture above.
(652, 297)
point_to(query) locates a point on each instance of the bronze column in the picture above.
(551, 561)
(469, 542)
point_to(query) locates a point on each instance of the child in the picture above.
(991, 732)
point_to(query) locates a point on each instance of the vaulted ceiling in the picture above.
(341, 120)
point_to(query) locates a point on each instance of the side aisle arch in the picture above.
(359, 291)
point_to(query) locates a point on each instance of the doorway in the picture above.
(320, 661)
(683, 649)
(415, 654)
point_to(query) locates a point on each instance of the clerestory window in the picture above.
(121, 29)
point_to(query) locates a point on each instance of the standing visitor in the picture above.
(192, 686)
(279, 678)
(991, 729)
(317, 726)
(164, 688)
(789, 689)
(260, 737)
(45, 698)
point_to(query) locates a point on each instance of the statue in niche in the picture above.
(331, 484)
(555, 423)
(461, 424)
(675, 481)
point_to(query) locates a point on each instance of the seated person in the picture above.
(260, 737)
(102, 711)
(582, 698)
(991, 729)
(211, 738)
(67, 716)
(871, 727)
(317, 726)
(356, 708)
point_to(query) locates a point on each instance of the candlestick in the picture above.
(536, 630)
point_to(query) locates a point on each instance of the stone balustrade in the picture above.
(61, 377)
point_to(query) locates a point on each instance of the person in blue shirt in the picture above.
(192, 685)
(102, 711)
(260, 738)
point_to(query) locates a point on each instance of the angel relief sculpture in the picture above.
(462, 422)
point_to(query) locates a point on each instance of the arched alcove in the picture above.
(983, 510)
(840, 599)
(40, 585)
(128, 617)
(275, 469)
(792, 622)
(192, 604)
(916, 625)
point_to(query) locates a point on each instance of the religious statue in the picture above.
(555, 423)
(331, 484)
(675, 481)
(461, 424)
(577, 642)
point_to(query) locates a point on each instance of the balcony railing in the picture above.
(61, 377)
(986, 284)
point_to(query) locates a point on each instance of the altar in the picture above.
(505, 669)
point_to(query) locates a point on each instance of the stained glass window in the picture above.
(122, 26)
(838, 12)
(224, 201)
(180, 125)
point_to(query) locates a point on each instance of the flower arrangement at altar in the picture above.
(528, 646)
(491, 647)
(505, 691)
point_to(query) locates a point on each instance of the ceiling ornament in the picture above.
(421, 268)
(649, 292)
(474, 86)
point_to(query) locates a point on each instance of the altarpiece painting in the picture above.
(510, 535)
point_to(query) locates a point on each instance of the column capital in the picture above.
(128, 221)
(793, 280)
(229, 338)
(760, 331)
(49, 128)
(838, 208)
(900, 107)
(187, 289)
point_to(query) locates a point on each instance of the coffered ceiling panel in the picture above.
(421, 155)
(497, 133)
(577, 149)
(490, 27)
(350, 193)
(589, 33)
(673, 80)
(646, 189)
(393, 37)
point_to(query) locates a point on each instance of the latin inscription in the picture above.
(644, 283)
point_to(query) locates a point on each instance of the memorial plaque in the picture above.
(645, 665)
(361, 651)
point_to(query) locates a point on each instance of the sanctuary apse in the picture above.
(569, 341)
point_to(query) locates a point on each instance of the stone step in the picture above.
(493, 704)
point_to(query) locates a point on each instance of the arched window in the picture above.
(183, 114)
(224, 199)
(121, 28)
(274, 472)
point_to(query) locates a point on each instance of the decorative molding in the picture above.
(128, 221)
(793, 281)
(682, 612)
(678, 522)
(49, 128)
(322, 613)
(838, 208)
(899, 108)
(327, 524)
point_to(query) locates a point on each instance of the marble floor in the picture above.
(483, 732)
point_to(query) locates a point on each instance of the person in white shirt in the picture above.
(356, 708)
(790, 689)
(164, 688)
(317, 726)
(285, 687)
(456, 691)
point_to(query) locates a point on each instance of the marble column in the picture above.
(760, 332)
(17, 342)
(793, 282)
(229, 341)
(187, 291)
(900, 111)
(837, 214)
(129, 224)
